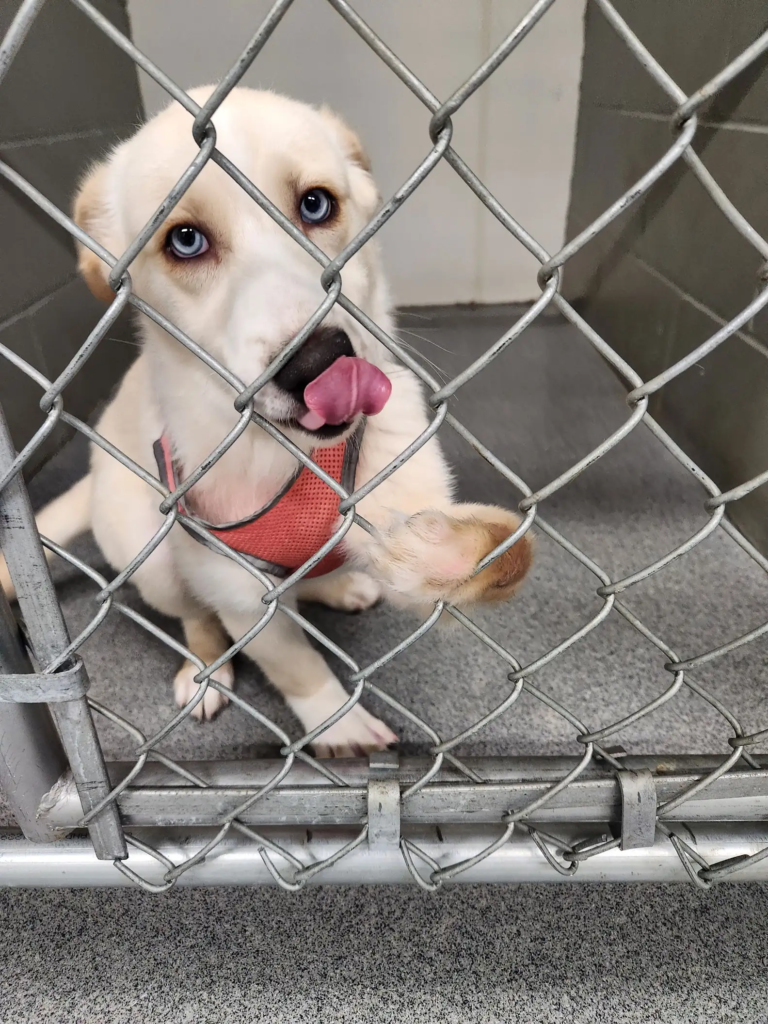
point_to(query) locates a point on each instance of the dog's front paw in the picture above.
(185, 688)
(357, 734)
(432, 556)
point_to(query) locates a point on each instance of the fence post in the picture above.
(32, 759)
(48, 636)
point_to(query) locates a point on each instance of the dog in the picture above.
(225, 273)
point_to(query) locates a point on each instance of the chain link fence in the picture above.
(434, 819)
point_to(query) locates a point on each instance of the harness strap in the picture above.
(293, 524)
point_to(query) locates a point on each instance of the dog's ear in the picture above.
(91, 213)
(363, 185)
(349, 142)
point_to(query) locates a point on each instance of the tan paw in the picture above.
(185, 688)
(432, 556)
(355, 735)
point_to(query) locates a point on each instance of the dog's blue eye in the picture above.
(316, 206)
(187, 242)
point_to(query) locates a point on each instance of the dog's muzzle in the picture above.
(319, 352)
(332, 386)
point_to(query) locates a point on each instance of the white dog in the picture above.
(233, 280)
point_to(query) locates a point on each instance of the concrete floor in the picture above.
(575, 954)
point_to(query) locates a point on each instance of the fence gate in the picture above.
(156, 822)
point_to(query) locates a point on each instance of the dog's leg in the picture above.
(159, 585)
(311, 690)
(347, 591)
(123, 527)
(205, 638)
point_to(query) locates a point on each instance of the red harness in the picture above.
(291, 527)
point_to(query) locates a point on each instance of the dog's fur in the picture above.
(243, 301)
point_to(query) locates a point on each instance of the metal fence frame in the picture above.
(431, 820)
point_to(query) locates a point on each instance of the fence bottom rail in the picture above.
(237, 861)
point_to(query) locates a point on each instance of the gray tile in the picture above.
(55, 168)
(677, 227)
(61, 326)
(465, 955)
(692, 41)
(758, 327)
(68, 77)
(68, 82)
(688, 38)
(48, 336)
(612, 153)
(43, 251)
(689, 238)
(746, 98)
(20, 395)
(635, 312)
(719, 407)
(40, 255)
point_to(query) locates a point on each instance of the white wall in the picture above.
(517, 132)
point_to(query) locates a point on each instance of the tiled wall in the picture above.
(67, 98)
(664, 276)
(517, 132)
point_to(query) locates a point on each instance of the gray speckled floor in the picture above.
(513, 954)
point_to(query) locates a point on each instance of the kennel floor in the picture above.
(575, 953)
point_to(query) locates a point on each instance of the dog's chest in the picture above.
(284, 527)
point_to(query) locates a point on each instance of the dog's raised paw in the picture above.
(432, 555)
(425, 556)
(185, 688)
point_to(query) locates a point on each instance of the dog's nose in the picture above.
(321, 349)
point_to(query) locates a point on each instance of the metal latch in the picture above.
(383, 799)
(638, 808)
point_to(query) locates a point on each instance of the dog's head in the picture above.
(222, 270)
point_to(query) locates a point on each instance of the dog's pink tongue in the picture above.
(348, 387)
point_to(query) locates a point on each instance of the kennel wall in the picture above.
(65, 101)
(677, 266)
(441, 817)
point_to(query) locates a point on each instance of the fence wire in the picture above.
(288, 870)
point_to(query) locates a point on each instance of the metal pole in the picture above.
(23, 551)
(237, 861)
(26, 779)
(163, 797)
